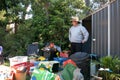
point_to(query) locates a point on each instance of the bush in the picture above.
(113, 63)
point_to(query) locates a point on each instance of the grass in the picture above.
(6, 63)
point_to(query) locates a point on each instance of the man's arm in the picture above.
(85, 35)
(69, 35)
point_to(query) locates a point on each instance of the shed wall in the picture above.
(115, 28)
(100, 30)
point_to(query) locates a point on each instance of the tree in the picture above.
(96, 4)
(52, 19)
(15, 44)
(50, 22)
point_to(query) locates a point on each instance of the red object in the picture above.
(69, 62)
(25, 64)
(65, 55)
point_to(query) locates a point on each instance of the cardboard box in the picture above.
(17, 60)
(20, 76)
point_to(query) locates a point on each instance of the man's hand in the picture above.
(83, 41)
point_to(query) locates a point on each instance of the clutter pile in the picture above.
(53, 64)
(38, 67)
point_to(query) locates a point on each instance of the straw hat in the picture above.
(75, 18)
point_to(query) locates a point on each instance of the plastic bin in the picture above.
(60, 59)
(82, 60)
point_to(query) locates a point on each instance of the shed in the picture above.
(103, 26)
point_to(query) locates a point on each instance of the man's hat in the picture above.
(75, 18)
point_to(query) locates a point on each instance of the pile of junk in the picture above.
(52, 64)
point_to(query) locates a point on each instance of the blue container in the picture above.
(36, 63)
(33, 78)
(60, 59)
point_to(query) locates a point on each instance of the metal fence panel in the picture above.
(115, 27)
(100, 32)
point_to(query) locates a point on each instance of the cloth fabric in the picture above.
(77, 34)
(58, 48)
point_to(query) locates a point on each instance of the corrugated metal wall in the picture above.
(115, 28)
(100, 30)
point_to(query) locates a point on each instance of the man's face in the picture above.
(51, 45)
(74, 23)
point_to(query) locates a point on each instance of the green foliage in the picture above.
(50, 23)
(2, 13)
(2, 26)
(52, 19)
(16, 44)
(113, 64)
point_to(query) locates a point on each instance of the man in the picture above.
(51, 51)
(78, 35)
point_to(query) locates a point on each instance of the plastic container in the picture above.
(60, 60)
(36, 63)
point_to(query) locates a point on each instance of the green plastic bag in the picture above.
(43, 75)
